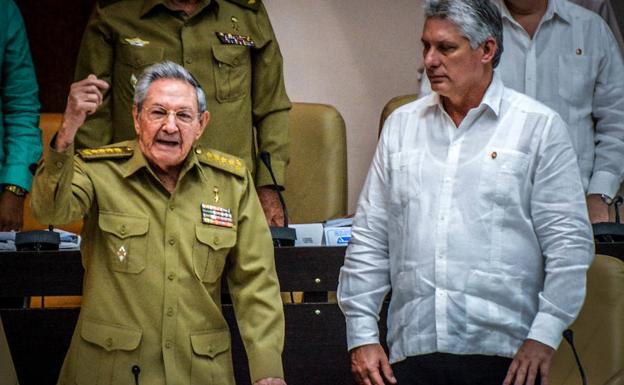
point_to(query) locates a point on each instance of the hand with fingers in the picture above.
(85, 96)
(369, 363)
(532, 358)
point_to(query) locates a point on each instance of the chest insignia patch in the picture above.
(137, 42)
(231, 39)
(215, 215)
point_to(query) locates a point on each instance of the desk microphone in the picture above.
(569, 336)
(136, 370)
(282, 236)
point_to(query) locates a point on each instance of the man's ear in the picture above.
(135, 118)
(489, 50)
(203, 122)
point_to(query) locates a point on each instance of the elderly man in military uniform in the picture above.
(165, 220)
(228, 45)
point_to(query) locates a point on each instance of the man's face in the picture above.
(169, 123)
(452, 66)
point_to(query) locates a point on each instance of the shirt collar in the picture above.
(138, 161)
(148, 5)
(553, 7)
(492, 98)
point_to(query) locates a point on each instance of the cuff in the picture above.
(547, 329)
(16, 174)
(265, 364)
(263, 177)
(604, 182)
(361, 331)
(56, 161)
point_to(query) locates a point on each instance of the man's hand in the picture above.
(531, 358)
(269, 199)
(366, 362)
(270, 381)
(11, 211)
(84, 98)
(598, 210)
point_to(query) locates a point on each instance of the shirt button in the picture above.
(109, 342)
(216, 240)
(122, 229)
(188, 61)
(171, 206)
(171, 276)
(59, 164)
(198, 151)
(168, 345)
(236, 62)
(170, 311)
(210, 349)
(172, 241)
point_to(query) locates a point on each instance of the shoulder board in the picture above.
(105, 153)
(106, 3)
(250, 4)
(222, 161)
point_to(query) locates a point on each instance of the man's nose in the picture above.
(170, 124)
(431, 58)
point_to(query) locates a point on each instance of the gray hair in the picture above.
(476, 19)
(167, 70)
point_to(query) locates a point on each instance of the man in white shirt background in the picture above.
(566, 57)
(474, 215)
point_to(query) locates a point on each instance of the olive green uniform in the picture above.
(244, 84)
(153, 268)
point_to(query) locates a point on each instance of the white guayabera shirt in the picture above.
(481, 231)
(573, 65)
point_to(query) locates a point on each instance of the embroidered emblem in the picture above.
(122, 253)
(137, 42)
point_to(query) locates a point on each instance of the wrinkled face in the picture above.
(168, 123)
(452, 66)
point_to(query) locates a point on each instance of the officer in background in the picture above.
(228, 45)
(165, 220)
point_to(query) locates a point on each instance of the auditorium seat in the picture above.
(392, 105)
(598, 330)
(316, 177)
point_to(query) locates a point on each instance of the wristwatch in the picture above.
(17, 190)
(606, 199)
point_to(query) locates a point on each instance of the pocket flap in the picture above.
(110, 337)
(123, 225)
(232, 55)
(215, 237)
(139, 57)
(211, 343)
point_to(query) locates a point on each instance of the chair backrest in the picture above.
(316, 177)
(50, 123)
(598, 330)
(392, 105)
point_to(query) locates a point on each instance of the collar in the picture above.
(553, 7)
(138, 161)
(148, 5)
(492, 98)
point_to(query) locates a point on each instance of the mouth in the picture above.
(169, 143)
(436, 78)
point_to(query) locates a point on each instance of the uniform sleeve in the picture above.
(254, 287)
(270, 104)
(560, 219)
(62, 192)
(20, 104)
(96, 57)
(365, 276)
(608, 114)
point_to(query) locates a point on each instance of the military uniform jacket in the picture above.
(241, 72)
(153, 265)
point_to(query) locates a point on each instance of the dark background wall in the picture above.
(54, 30)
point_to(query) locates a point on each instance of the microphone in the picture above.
(569, 336)
(282, 236)
(136, 370)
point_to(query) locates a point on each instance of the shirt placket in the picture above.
(530, 73)
(170, 302)
(441, 242)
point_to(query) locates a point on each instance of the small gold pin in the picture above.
(494, 155)
(133, 81)
(234, 23)
(122, 253)
(579, 51)
(215, 190)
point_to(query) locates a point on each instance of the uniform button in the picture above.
(198, 151)
(172, 241)
(171, 206)
(210, 349)
(216, 240)
(168, 344)
(188, 61)
(109, 342)
(171, 276)
(170, 311)
(236, 62)
(59, 164)
(122, 229)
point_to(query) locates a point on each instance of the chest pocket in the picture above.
(576, 80)
(232, 69)
(405, 177)
(503, 174)
(129, 64)
(212, 244)
(125, 241)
